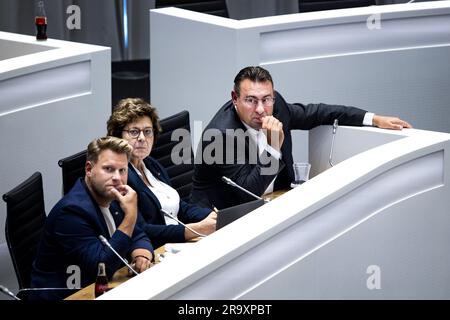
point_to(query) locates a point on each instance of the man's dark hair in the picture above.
(254, 74)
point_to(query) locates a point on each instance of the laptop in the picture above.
(228, 215)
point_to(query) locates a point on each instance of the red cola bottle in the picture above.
(40, 20)
(101, 283)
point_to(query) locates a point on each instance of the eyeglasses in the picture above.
(136, 132)
(252, 101)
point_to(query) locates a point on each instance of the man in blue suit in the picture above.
(249, 139)
(99, 204)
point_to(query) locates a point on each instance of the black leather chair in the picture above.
(180, 174)
(213, 7)
(72, 169)
(25, 219)
(320, 5)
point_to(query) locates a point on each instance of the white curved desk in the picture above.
(383, 209)
(55, 99)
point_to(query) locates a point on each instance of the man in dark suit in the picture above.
(99, 204)
(249, 139)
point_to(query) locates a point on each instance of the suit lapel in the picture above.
(142, 187)
(116, 213)
(88, 202)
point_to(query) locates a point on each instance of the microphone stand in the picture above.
(234, 184)
(335, 126)
(39, 289)
(173, 217)
(7, 292)
(106, 243)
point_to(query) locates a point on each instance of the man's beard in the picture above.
(101, 192)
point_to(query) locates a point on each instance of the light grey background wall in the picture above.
(102, 20)
(401, 69)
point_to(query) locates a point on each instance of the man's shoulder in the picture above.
(225, 118)
(280, 103)
(77, 199)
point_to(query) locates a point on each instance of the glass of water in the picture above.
(301, 172)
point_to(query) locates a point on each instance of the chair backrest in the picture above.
(320, 5)
(180, 174)
(72, 169)
(213, 7)
(25, 219)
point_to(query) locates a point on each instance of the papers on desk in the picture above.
(173, 248)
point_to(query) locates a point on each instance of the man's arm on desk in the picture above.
(385, 122)
(142, 259)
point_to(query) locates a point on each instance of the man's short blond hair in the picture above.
(117, 145)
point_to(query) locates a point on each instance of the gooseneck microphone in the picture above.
(184, 225)
(15, 297)
(45, 289)
(7, 292)
(106, 243)
(335, 126)
(234, 184)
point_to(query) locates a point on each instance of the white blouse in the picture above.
(167, 196)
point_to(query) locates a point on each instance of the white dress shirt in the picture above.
(109, 220)
(368, 119)
(260, 139)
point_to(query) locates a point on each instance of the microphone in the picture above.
(335, 126)
(7, 292)
(234, 184)
(106, 243)
(15, 297)
(184, 225)
(39, 289)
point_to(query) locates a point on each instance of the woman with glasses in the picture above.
(136, 121)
